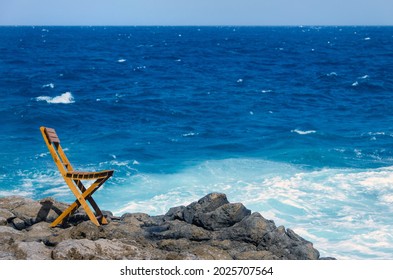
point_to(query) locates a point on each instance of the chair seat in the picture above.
(83, 175)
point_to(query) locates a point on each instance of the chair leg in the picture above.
(90, 199)
(81, 201)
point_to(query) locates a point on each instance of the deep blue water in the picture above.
(295, 122)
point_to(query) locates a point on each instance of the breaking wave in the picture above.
(65, 98)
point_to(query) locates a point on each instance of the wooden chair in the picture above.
(74, 181)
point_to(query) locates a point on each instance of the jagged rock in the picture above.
(210, 228)
(222, 217)
(251, 229)
(286, 244)
(206, 204)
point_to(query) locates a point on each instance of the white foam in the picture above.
(342, 211)
(121, 60)
(50, 85)
(367, 38)
(190, 134)
(364, 77)
(303, 132)
(65, 98)
(355, 84)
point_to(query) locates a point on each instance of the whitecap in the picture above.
(122, 60)
(189, 134)
(50, 85)
(65, 98)
(303, 132)
(266, 90)
(240, 80)
(367, 38)
(364, 77)
(355, 84)
(332, 74)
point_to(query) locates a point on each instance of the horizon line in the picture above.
(192, 25)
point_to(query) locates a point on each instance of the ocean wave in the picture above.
(65, 98)
(303, 132)
(50, 85)
(350, 202)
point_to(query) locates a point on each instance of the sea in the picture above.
(294, 122)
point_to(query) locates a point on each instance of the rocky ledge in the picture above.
(211, 228)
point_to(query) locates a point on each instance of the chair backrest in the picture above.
(53, 143)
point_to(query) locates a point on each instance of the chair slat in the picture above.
(52, 135)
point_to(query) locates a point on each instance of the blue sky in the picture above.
(196, 12)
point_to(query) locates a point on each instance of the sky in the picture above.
(196, 12)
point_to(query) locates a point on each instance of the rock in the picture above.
(222, 217)
(286, 244)
(9, 234)
(6, 255)
(32, 251)
(39, 232)
(6, 214)
(19, 223)
(258, 255)
(210, 228)
(206, 204)
(251, 229)
(178, 230)
(26, 210)
(207, 252)
(87, 230)
(101, 249)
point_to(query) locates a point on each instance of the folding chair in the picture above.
(74, 181)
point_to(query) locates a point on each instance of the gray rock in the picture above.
(19, 223)
(39, 232)
(251, 229)
(224, 216)
(178, 230)
(7, 255)
(211, 228)
(258, 255)
(101, 249)
(206, 204)
(32, 251)
(6, 214)
(9, 234)
(286, 244)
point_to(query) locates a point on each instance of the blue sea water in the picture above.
(294, 122)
